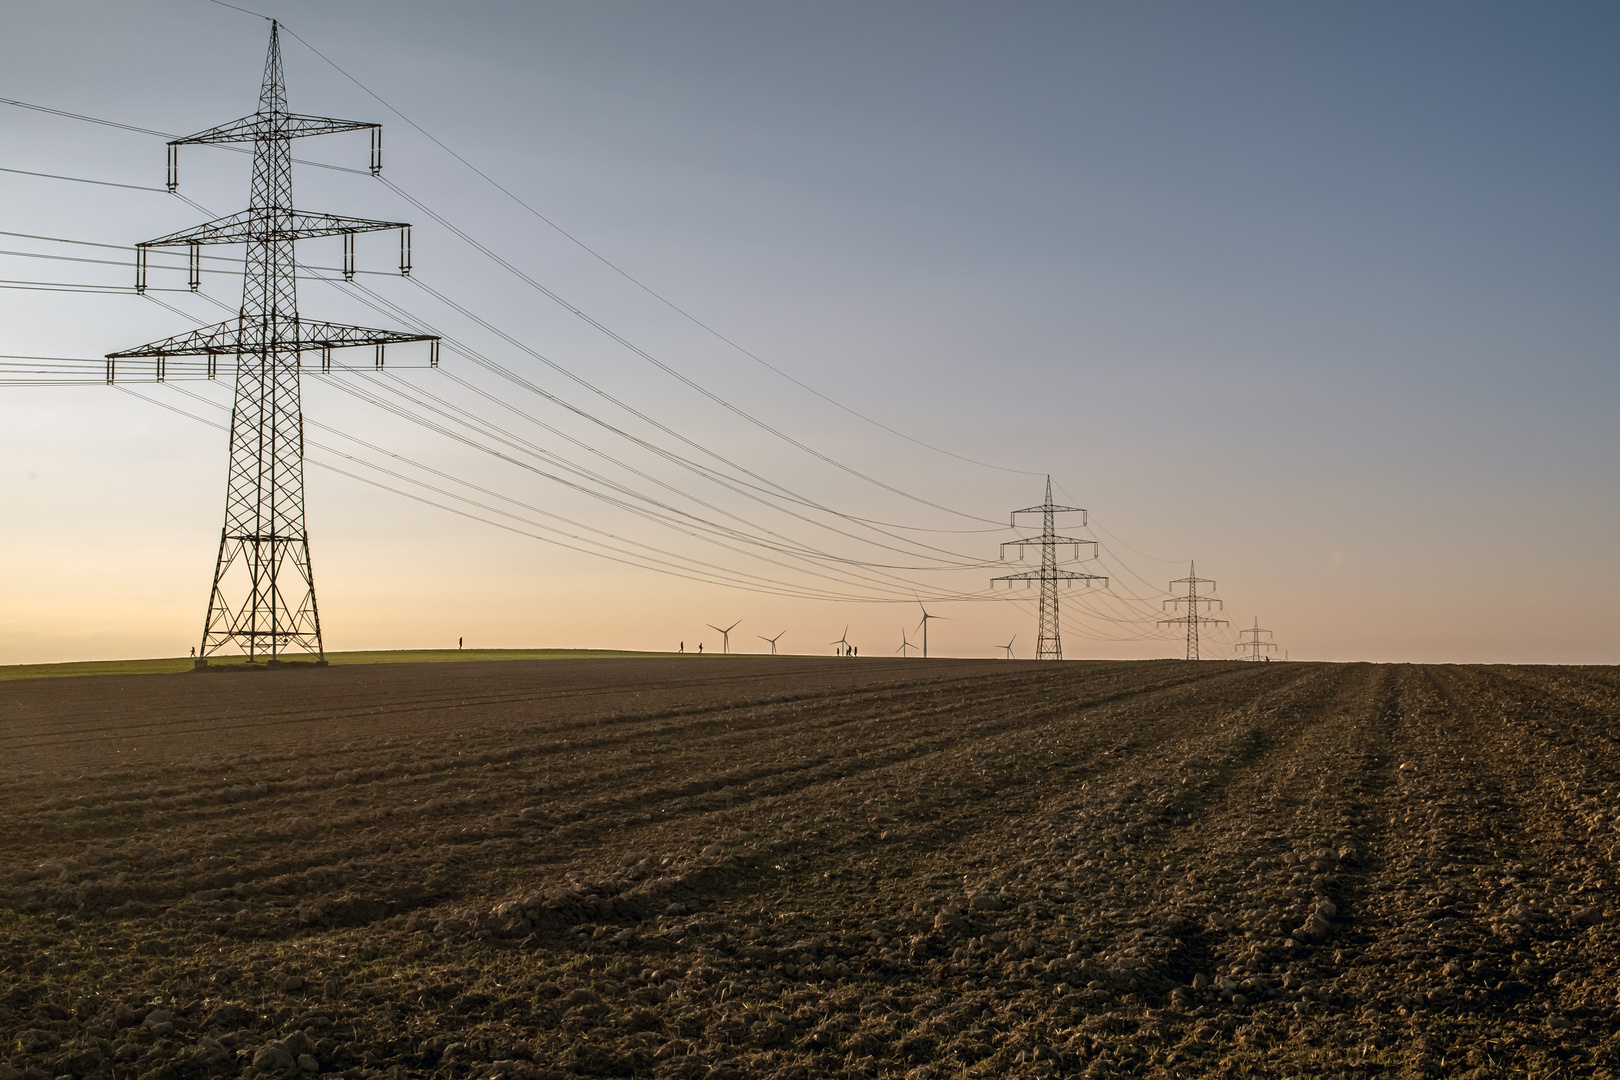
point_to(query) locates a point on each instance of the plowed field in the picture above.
(801, 868)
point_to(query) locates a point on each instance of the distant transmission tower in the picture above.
(1048, 643)
(263, 597)
(1252, 643)
(1192, 620)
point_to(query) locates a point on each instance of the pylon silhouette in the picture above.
(1049, 642)
(263, 596)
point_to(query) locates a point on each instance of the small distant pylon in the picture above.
(1252, 643)
(1048, 645)
(1192, 620)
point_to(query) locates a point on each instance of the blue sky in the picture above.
(1321, 295)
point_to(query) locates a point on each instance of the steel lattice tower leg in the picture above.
(264, 548)
(1192, 624)
(1049, 643)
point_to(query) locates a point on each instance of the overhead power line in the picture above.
(637, 282)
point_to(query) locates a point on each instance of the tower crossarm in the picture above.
(1051, 575)
(1052, 508)
(228, 337)
(280, 125)
(1038, 541)
(1194, 601)
(256, 225)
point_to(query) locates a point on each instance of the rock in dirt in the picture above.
(1586, 916)
(275, 1059)
(713, 850)
(1315, 927)
(308, 1063)
(34, 1040)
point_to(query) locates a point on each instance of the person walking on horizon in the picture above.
(459, 642)
(700, 648)
(682, 649)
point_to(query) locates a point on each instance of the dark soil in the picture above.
(802, 868)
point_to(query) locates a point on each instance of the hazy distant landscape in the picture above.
(797, 867)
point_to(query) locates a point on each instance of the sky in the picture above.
(1322, 296)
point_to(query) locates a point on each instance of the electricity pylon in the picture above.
(1255, 647)
(1192, 620)
(1048, 643)
(725, 635)
(263, 596)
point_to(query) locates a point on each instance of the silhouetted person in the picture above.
(194, 650)
(459, 641)
(700, 648)
(682, 649)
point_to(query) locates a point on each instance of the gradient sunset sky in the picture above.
(1325, 296)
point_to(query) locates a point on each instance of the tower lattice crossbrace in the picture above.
(1252, 643)
(1049, 642)
(263, 596)
(1192, 620)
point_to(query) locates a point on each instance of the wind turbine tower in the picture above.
(1048, 645)
(772, 640)
(924, 625)
(725, 635)
(1009, 646)
(842, 642)
(904, 644)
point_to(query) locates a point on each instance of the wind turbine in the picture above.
(924, 625)
(904, 644)
(772, 640)
(1008, 646)
(843, 641)
(725, 635)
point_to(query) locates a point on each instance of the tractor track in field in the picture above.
(737, 867)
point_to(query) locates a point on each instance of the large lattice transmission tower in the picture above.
(1192, 620)
(263, 595)
(1252, 643)
(1049, 642)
